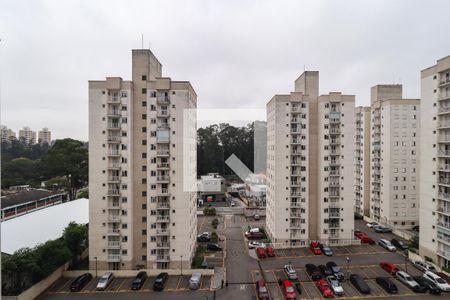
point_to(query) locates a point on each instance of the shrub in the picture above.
(214, 237)
(414, 242)
(445, 269)
(209, 211)
(428, 259)
(214, 223)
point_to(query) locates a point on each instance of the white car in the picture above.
(441, 283)
(423, 266)
(371, 224)
(335, 285)
(254, 244)
(290, 272)
(104, 281)
(233, 203)
(386, 245)
(407, 280)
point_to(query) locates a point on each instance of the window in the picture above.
(124, 94)
(144, 103)
(144, 77)
(144, 91)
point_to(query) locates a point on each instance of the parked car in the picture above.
(324, 270)
(139, 280)
(399, 244)
(441, 283)
(428, 285)
(371, 224)
(336, 270)
(79, 282)
(213, 247)
(204, 237)
(255, 236)
(256, 217)
(407, 280)
(360, 284)
(382, 229)
(335, 285)
(365, 239)
(261, 289)
(261, 252)
(255, 244)
(387, 285)
(423, 266)
(313, 272)
(194, 281)
(386, 245)
(160, 281)
(290, 272)
(388, 267)
(324, 288)
(270, 252)
(233, 204)
(314, 247)
(416, 228)
(104, 281)
(288, 290)
(325, 249)
(443, 276)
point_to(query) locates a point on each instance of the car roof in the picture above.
(403, 273)
(429, 273)
(287, 282)
(261, 282)
(107, 274)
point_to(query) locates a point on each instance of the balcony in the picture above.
(295, 130)
(163, 192)
(163, 113)
(443, 125)
(295, 162)
(113, 178)
(445, 181)
(113, 126)
(444, 167)
(333, 235)
(113, 153)
(113, 139)
(296, 225)
(333, 215)
(443, 253)
(335, 141)
(334, 163)
(163, 126)
(113, 258)
(443, 224)
(162, 258)
(113, 205)
(334, 172)
(295, 183)
(333, 204)
(165, 100)
(114, 231)
(295, 204)
(295, 120)
(335, 120)
(114, 166)
(443, 109)
(163, 153)
(296, 109)
(162, 178)
(113, 113)
(113, 244)
(443, 210)
(162, 232)
(444, 96)
(163, 245)
(295, 141)
(444, 81)
(334, 183)
(334, 131)
(444, 153)
(114, 218)
(295, 215)
(333, 225)
(295, 193)
(113, 192)
(162, 166)
(163, 205)
(162, 219)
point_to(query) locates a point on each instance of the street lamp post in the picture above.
(348, 266)
(181, 264)
(95, 266)
(406, 260)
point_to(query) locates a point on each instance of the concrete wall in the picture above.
(132, 273)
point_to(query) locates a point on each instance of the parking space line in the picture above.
(63, 286)
(307, 294)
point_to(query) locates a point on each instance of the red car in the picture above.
(261, 289)
(288, 290)
(261, 252)
(270, 252)
(443, 276)
(324, 288)
(388, 267)
(365, 239)
(314, 247)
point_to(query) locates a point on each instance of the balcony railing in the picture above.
(114, 192)
(114, 139)
(163, 113)
(113, 178)
(443, 253)
(334, 172)
(113, 257)
(114, 113)
(443, 209)
(163, 152)
(162, 205)
(163, 126)
(163, 99)
(113, 126)
(162, 218)
(443, 109)
(162, 232)
(114, 165)
(113, 244)
(114, 231)
(162, 245)
(162, 165)
(295, 204)
(162, 258)
(113, 152)
(114, 217)
(162, 178)
(444, 167)
(444, 152)
(444, 224)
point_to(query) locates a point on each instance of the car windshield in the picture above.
(158, 280)
(103, 280)
(409, 278)
(334, 282)
(440, 280)
(262, 289)
(335, 269)
(289, 289)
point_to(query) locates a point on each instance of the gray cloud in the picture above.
(235, 53)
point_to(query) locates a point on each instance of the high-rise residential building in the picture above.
(434, 238)
(394, 157)
(45, 136)
(6, 134)
(142, 169)
(310, 165)
(27, 135)
(362, 160)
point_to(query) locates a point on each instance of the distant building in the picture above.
(6, 134)
(211, 187)
(260, 146)
(27, 135)
(45, 136)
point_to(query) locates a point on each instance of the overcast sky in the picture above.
(237, 54)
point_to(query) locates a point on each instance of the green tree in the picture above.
(75, 237)
(20, 171)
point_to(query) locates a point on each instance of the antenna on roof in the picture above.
(142, 41)
(304, 68)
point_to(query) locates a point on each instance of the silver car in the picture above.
(386, 245)
(423, 266)
(407, 280)
(104, 281)
(194, 282)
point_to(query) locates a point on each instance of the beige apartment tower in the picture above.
(394, 157)
(362, 160)
(6, 134)
(45, 136)
(27, 135)
(310, 166)
(142, 169)
(434, 238)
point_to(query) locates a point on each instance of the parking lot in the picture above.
(121, 284)
(310, 291)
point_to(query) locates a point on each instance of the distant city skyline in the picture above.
(232, 63)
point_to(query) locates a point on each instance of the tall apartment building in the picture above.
(142, 169)
(435, 163)
(310, 169)
(362, 160)
(27, 135)
(394, 157)
(6, 134)
(45, 136)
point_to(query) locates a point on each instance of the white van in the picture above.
(194, 282)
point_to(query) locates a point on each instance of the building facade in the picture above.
(142, 169)
(45, 136)
(310, 169)
(27, 135)
(394, 157)
(6, 134)
(434, 238)
(362, 160)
